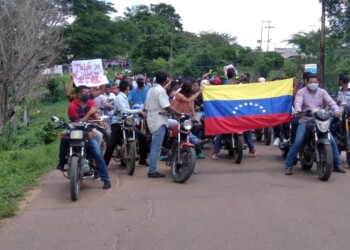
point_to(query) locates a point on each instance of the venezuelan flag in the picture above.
(235, 108)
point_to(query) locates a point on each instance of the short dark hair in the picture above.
(123, 85)
(344, 79)
(231, 72)
(161, 77)
(311, 75)
(80, 88)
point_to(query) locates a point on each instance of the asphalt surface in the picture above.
(251, 205)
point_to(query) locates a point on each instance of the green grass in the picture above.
(24, 157)
(19, 171)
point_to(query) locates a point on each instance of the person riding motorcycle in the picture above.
(81, 109)
(309, 98)
(121, 105)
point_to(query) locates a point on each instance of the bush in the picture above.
(48, 134)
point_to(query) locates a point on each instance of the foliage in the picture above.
(30, 40)
(19, 171)
(92, 36)
(48, 133)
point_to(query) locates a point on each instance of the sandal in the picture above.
(254, 154)
(214, 157)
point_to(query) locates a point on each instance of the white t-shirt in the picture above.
(156, 101)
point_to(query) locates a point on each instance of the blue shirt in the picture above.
(137, 96)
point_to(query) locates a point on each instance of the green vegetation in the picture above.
(28, 154)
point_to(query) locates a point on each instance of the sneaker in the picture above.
(163, 157)
(288, 171)
(143, 163)
(200, 156)
(106, 184)
(96, 177)
(277, 141)
(156, 175)
(339, 170)
(60, 166)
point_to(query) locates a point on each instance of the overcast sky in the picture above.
(243, 18)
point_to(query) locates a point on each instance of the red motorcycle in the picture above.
(181, 155)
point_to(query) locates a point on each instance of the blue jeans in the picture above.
(249, 138)
(95, 152)
(156, 144)
(299, 139)
(247, 135)
(217, 143)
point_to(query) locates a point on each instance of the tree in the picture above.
(30, 39)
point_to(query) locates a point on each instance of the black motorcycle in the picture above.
(341, 132)
(79, 162)
(234, 144)
(127, 153)
(285, 136)
(264, 134)
(317, 146)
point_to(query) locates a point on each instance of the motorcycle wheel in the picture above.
(348, 158)
(131, 157)
(304, 161)
(258, 134)
(325, 165)
(73, 172)
(180, 173)
(238, 150)
(268, 135)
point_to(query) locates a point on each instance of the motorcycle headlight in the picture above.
(322, 125)
(129, 120)
(188, 124)
(76, 134)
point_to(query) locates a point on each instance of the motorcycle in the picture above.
(264, 132)
(181, 155)
(127, 153)
(316, 145)
(285, 137)
(79, 162)
(341, 132)
(234, 144)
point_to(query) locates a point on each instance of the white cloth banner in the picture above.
(89, 73)
(57, 69)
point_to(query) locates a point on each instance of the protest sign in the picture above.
(89, 73)
(312, 68)
(229, 66)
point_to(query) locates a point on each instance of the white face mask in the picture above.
(313, 86)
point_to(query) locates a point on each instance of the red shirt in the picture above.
(76, 111)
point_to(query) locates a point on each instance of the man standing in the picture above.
(157, 103)
(309, 98)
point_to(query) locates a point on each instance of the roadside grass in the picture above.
(19, 171)
(24, 157)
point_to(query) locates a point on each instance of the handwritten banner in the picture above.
(89, 73)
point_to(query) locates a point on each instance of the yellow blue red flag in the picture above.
(235, 108)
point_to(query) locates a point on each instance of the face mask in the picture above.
(312, 86)
(85, 98)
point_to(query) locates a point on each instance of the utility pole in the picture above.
(268, 35)
(322, 42)
(261, 36)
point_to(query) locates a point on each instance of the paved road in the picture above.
(226, 206)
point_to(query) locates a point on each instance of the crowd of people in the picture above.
(163, 94)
